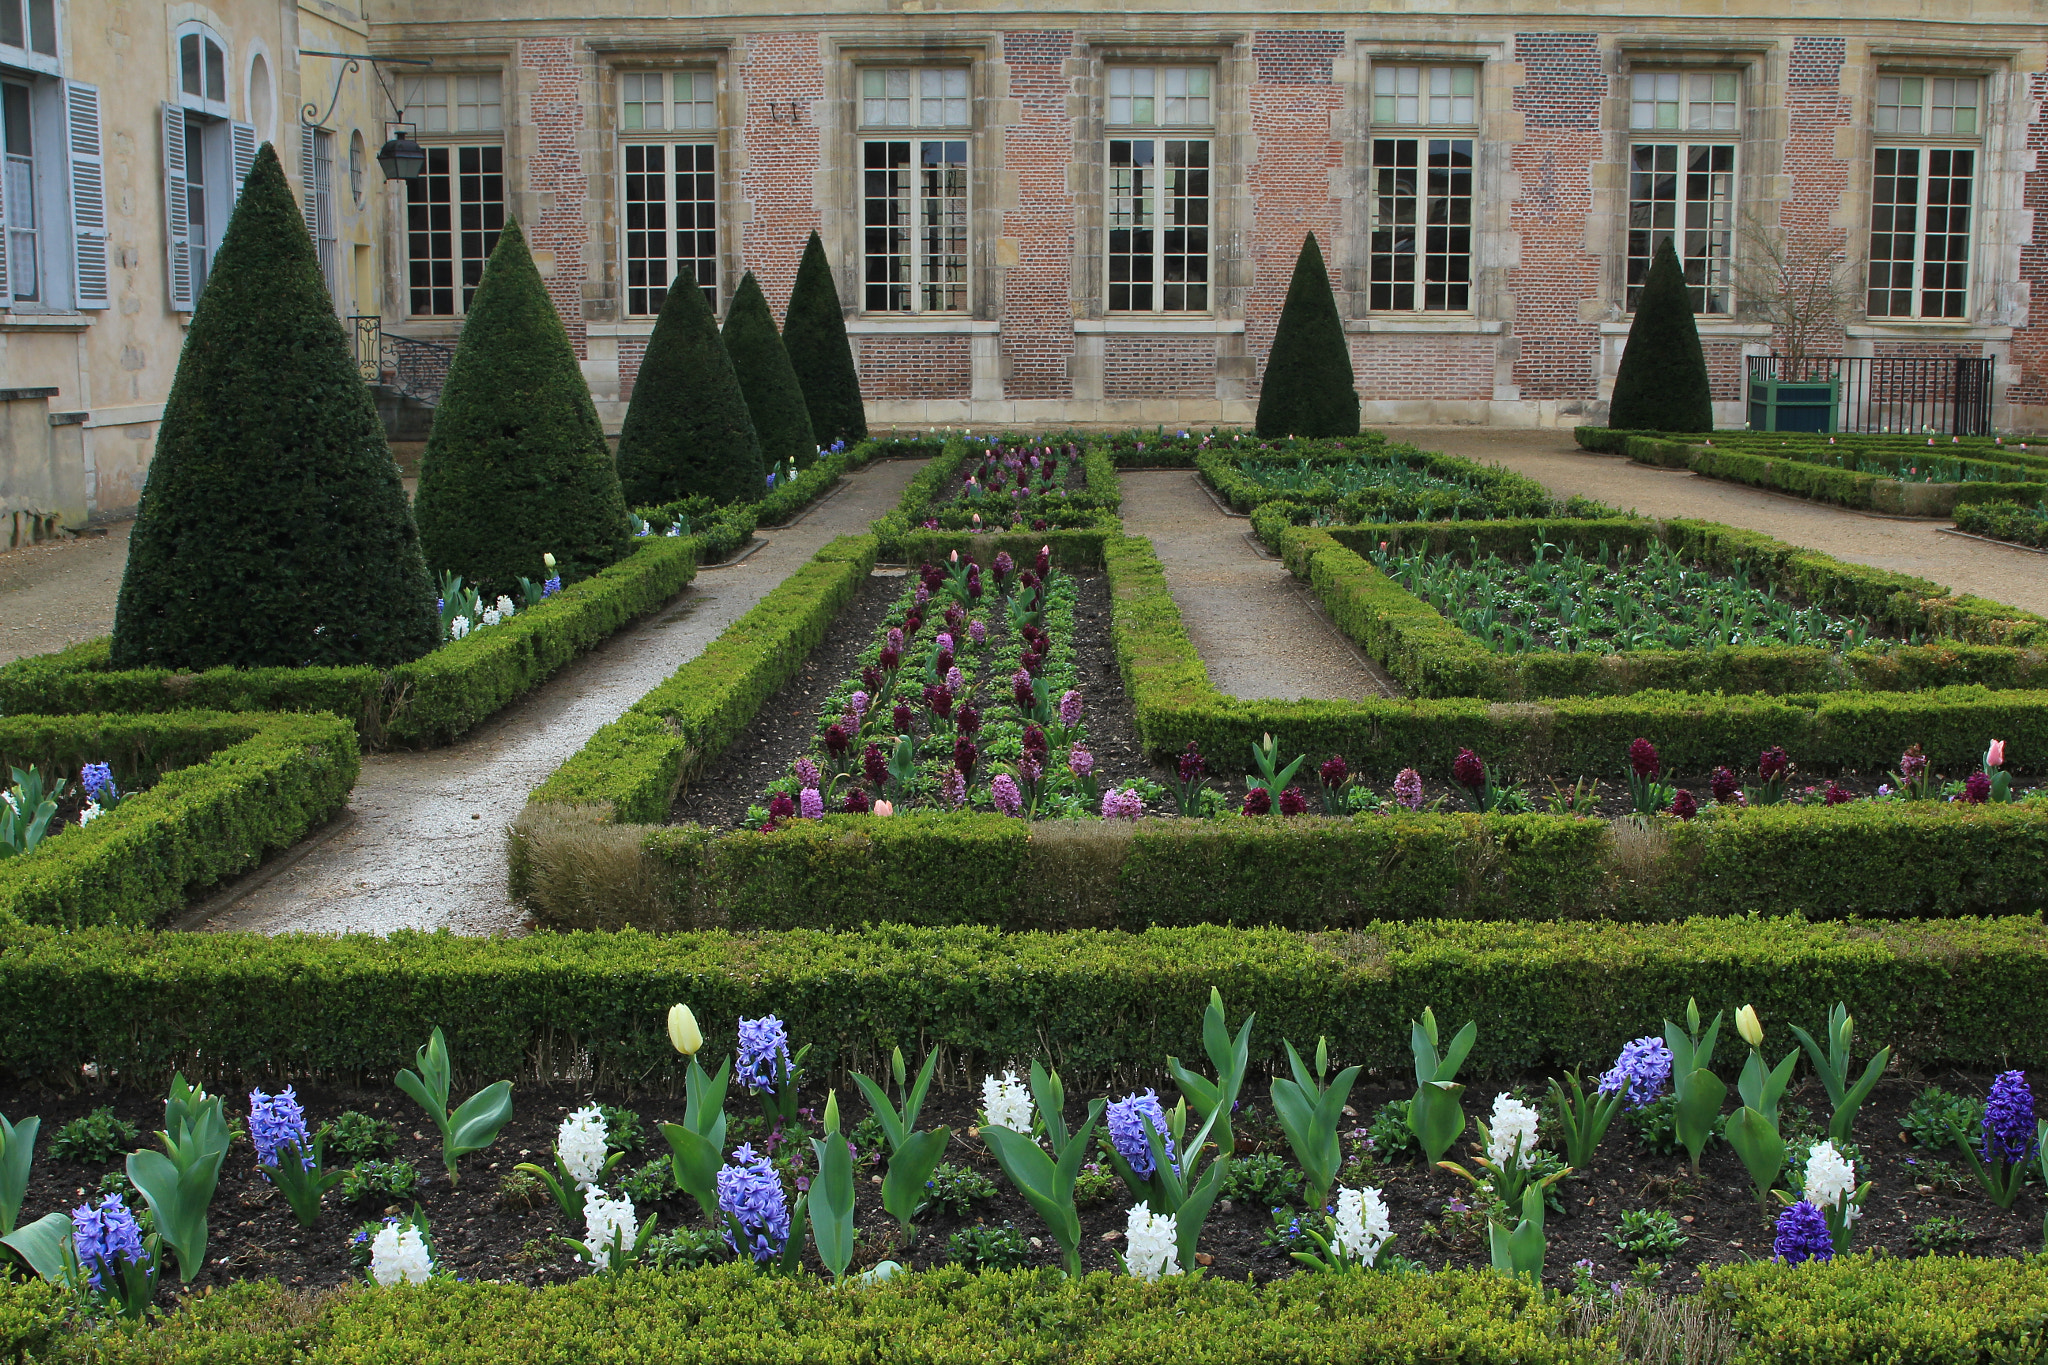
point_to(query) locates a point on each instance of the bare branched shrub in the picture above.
(1652, 1329)
(1801, 286)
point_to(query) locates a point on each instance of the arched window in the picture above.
(202, 70)
(206, 158)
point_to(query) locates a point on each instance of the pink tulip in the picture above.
(885, 808)
(1994, 757)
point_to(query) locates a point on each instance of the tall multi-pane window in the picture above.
(21, 232)
(1422, 188)
(668, 126)
(1683, 127)
(1923, 195)
(1160, 196)
(205, 158)
(914, 201)
(455, 208)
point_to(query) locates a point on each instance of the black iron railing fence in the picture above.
(1946, 394)
(415, 368)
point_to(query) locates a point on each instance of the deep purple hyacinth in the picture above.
(968, 721)
(1643, 1072)
(1803, 1235)
(1912, 764)
(1835, 795)
(836, 740)
(1725, 785)
(890, 659)
(105, 1236)
(965, 756)
(1468, 771)
(1643, 760)
(1004, 566)
(874, 765)
(2009, 1132)
(762, 1042)
(751, 1192)
(780, 808)
(275, 1123)
(1293, 802)
(938, 700)
(871, 679)
(1020, 690)
(1976, 789)
(1258, 801)
(1192, 764)
(1772, 764)
(901, 717)
(1128, 1120)
(857, 802)
(1334, 771)
(1683, 805)
(1034, 741)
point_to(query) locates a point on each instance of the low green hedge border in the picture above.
(632, 767)
(1101, 1005)
(2022, 524)
(903, 540)
(431, 700)
(227, 788)
(1429, 654)
(1894, 861)
(1503, 492)
(1785, 472)
(1614, 441)
(1176, 704)
(1933, 1310)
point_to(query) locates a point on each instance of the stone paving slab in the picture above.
(426, 846)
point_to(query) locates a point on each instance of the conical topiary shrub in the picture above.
(687, 430)
(774, 398)
(1308, 388)
(516, 465)
(273, 529)
(814, 334)
(1662, 383)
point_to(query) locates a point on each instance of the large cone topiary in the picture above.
(1308, 388)
(775, 399)
(687, 430)
(1662, 383)
(814, 334)
(516, 465)
(273, 529)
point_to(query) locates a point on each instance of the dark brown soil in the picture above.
(478, 1236)
(786, 726)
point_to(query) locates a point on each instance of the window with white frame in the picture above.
(1681, 188)
(1160, 193)
(668, 126)
(53, 211)
(21, 196)
(455, 208)
(206, 157)
(28, 35)
(914, 199)
(1923, 195)
(1421, 250)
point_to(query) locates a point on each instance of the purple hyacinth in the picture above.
(1258, 801)
(97, 778)
(2009, 1133)
(751, 1193)
(1080, 762)
(806, 772)
(1725, 785)
(1684, 805)
(1192, 764)
(810, 804)
(1803, 1235)
(1976, 789)
(1128, 1120)
(763, 1043)
(1408, 788)
(953, 789)
(1003, 791)
(1122, 805)
(275, 1123)
(977, 633)
(1070, 708)
(1643, 1071)
(104, 1237)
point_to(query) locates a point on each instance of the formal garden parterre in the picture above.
(982, 1034)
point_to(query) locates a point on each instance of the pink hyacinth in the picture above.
(1122, 805)
(1003, 791)
(944, 641)
(1070, 708)
(1080, 762)
(810, 805)
(896, 638)
(953, 789)
(806, 772)
(955, 682)
(977, 632)
(858, 704)
(1408, 788)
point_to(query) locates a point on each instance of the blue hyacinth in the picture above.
(751, 1192)
(104, 1237)
(1643, 1071)
(275, 1123)
(763, 1042)
(1803, 1235)
(1128, 1119)
(2009, 1131)
(98, 779)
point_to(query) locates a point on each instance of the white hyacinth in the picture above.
(1513, 1121)
(1830, 1180)
(1006, 1102)
(398, 1255)
(1362, 1227)
(603, 1220)
(580, 1144)
(1152, 1251)
(91, 813)
(505, 607)
(458, 628)
(490, 616)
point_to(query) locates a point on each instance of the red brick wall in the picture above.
(555, 111)
(1725, 369)
(915, 367)
(1393, 367)
(632, 350)
(1158, 367)
(1037, 306)
(778, 184)
(1560, 103)
(1814, 109)
(2030, 343)
(1293, 100)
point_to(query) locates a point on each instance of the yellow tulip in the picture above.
(1749, 1026)
(683, 1031)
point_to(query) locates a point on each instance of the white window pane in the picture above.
(1642, 114)
(1383, 80)
(1667, 87)
(899, 84)
(1198, 83)
(871, 84)
(1176, 82)
(1120, 109)
(1411, 80)
(1407, 109)
(1439, 80)
(1119, 82)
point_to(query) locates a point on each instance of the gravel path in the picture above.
(1255, 627)
(422, 845)
(60, 592)
(2012, 576)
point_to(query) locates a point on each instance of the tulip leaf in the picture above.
(475, 1125)
(1437, 1118)
(695, 1159)
(40, 1245)
(178, 1199)
(910, 1168)
(1757, 1142)
(884, 1111)
(831, 1206)
(17, 1152)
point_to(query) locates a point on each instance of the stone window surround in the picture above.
(604, 290)
(1498, 129)
(2002, 226)
(459, 59)
(838, 176)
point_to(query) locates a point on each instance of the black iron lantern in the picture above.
(401, 158)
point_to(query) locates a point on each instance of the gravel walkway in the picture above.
(60, 592)
(2012, 576)
(1257, 629)
(422, 845)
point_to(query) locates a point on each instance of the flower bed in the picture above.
(1075, 536)
(1325, 481)
(1888, 447)
(209, 795)
(2013, 521)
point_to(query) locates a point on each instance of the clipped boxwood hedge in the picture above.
(1097, 1003)
(1497, 492)
(226, 789)
(2019, 523)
